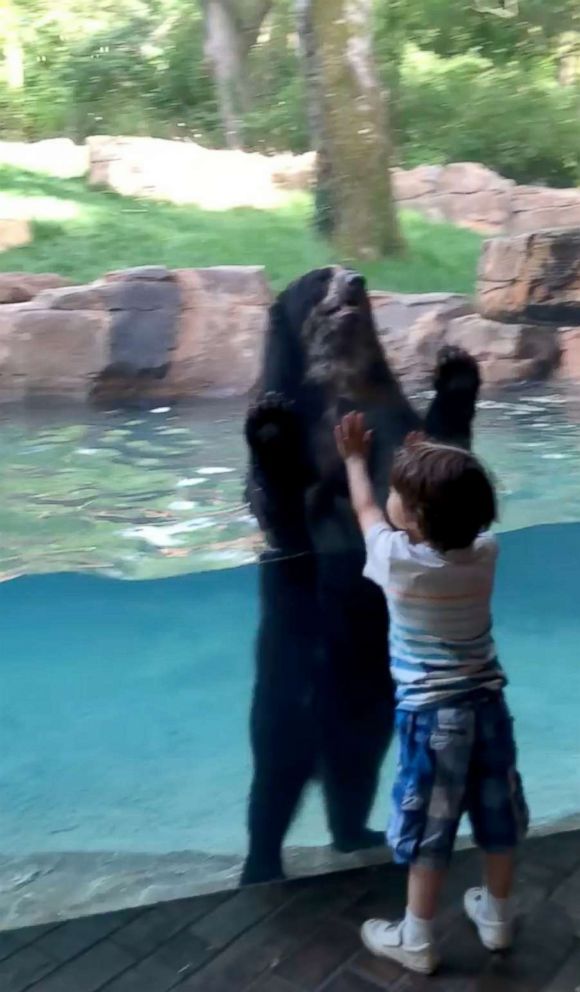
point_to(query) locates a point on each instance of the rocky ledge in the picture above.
(185, 333)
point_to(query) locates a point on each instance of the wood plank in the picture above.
(165, 968)
(73, 938)
(20, 970)
(567, 896)
(349, 981)
(559, 852)
(13, 940)
(144, 934)
(190, 910)
(150, 975)
(543, 942)
(567, 979)
(378, 970)
(244, 910)
(531, 278)
(261, 949)
(147, 932)
(272, 983)
(89, 972)
(315, 961)
(384, 896)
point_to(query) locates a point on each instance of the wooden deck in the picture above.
(303, 937)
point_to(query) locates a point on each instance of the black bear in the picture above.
(323, 703)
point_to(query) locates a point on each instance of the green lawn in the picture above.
(83, 233)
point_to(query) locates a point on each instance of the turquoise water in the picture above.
(124, 704)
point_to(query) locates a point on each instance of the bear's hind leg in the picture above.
(355, 700)
(274, 798)
(352, 763)
(283, 732)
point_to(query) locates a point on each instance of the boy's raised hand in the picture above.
(353, 440)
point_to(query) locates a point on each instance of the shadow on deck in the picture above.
(303, 937)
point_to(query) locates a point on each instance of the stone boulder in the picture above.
(464, 193)
(18, 287)
(470, 195)
(183, 172)
(532, 277)
(48, 353)
(537, 207)
(506, 352)
(569, 339)
(223, 317)
(58, 157)
(14, 233)
(145, 332)
(413, 329)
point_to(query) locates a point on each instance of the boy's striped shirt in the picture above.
(440, 635)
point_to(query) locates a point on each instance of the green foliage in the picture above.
(464, 108)
(110, 232)
(277, 121)
(464, 85)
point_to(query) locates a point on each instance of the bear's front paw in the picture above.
(456, 371)
(271, 424)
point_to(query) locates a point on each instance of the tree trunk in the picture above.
(348, 119)
(12, 48)
(231, 32)
(14, 63)
(568, 54)
(323, 212)
(224, 49)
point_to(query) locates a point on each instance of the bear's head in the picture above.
(322, 332)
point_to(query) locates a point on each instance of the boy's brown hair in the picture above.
(447, 490)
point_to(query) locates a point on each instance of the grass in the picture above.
(83, 233)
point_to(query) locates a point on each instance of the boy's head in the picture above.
(441, 495)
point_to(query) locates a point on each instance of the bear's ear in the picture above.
(283, 362)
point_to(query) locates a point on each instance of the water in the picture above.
(124, 705)
(156, 493)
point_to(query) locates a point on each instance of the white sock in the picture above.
(416, 931)
(496, 910)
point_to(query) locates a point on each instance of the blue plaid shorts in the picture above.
(456, 760)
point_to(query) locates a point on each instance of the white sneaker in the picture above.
(496, 936)
(385, 940)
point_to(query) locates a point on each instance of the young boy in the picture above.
(435, 560)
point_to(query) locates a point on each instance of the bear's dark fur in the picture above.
(323, 701)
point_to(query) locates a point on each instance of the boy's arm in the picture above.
(353, 444)
(353, 441)
(366, 509)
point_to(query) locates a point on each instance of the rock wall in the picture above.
(14, 233)
(152, 332)
(58, 157)
(183, 172)
(463, 193)
(533, 277)
(469, 195)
